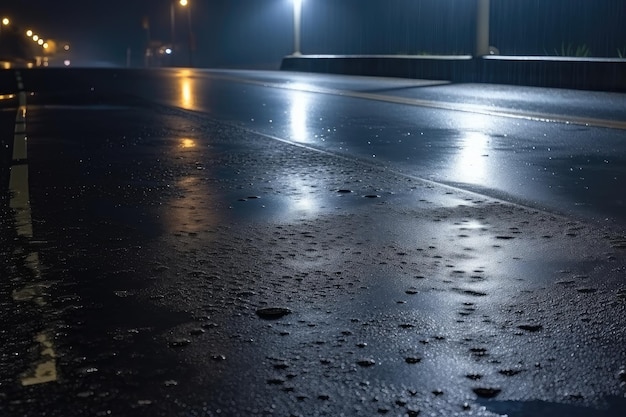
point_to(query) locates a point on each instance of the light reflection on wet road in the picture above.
(163, 232)
(568, 168)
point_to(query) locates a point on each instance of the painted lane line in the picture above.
(44, 369)
(20, 200)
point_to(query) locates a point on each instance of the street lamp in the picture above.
(297, 20)
(5, 22)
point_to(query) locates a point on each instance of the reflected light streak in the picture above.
(304, 198)
(190, 212)
(298, 117)
(471, 162)
(187, 90)
(187, 143)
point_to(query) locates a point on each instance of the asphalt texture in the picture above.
(182, 263)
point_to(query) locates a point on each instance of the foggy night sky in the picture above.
(257, 33)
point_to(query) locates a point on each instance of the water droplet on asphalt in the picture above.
(530, 327)
(176, 343)
(366, 362)
(272, 313)
(486, 392)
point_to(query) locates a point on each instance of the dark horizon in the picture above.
(257, 34)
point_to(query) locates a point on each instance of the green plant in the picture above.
(571, 50)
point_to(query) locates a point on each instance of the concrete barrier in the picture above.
(561, 72)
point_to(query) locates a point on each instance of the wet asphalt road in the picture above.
(182, 243)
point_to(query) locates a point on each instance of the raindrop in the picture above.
(530, 327)
(487, 392)
(182, 342)
(510, 372)
(273, 313)
(366, 362)
(276, 381)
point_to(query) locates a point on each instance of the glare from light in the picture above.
(303, 199)
(5, 21)
(187, 143)
(40, 41)
(186, 88)
(168, 51)
(183, 3)
(29, 33)
(35, 38)
(471, 161)
(66, 63)
(298, 112)
(45, 45)
(66, 47)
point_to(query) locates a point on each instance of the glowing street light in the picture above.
(5, 21)
(29, 33)
(297, 20)
(35, 38)
(40, 41)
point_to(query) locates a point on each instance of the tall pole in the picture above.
(191, 40)
(297, 19)
(482, 28)
(172, 24)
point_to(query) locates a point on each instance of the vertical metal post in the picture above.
(482, 28)
(191, 38)
(173, 24)
(297, 20)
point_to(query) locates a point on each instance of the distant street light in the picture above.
(297, 20)
(29, 33)
(5, 22)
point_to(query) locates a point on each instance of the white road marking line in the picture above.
(20, 200)
(45, 368)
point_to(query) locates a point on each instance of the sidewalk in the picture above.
(602, 74)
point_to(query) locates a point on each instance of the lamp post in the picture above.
(297, 22)
(482, 28)
(172, 23)
(186, 5)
